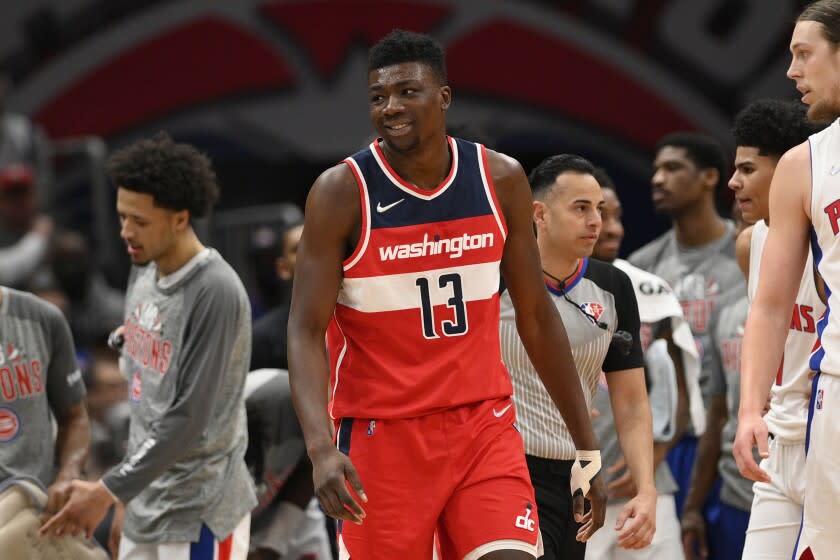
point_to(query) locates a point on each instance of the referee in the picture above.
(598, 306)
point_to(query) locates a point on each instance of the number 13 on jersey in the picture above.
(451, 283)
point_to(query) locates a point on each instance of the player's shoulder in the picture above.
(647, 255)
(796, 158)
(503, 168)
(29, 306)
(337, 183)
(743, 243)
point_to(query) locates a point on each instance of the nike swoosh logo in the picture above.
(835, 169)
(500, 413)
(381, 209)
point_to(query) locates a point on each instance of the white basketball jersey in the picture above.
(825, 244)
(788, 414)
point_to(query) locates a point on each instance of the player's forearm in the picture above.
(72, 443)
(708, 453)
(548, 349)
(763, 346)
(164, 446)
(308, 379)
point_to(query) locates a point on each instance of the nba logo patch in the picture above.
(593, 308)
(9, 424)
(136, 387)
(819, 399)
(371, 428)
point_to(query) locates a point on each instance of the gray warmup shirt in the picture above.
(186, 355)
(736, 490)
(39, 379)
(705, 279)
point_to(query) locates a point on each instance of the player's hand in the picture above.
(752, 431)
(116, 531)
(334, 476)
(57, 495)
(593, 519)
(88, 504)
(624, 486)
(694, 535)
(636, 523)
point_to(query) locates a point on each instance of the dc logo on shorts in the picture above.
(525, 521)
(9, 424)
(819, 399)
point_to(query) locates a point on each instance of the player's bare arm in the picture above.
(72, 443)
(538, 323)
(742, 251)
(332, 223)
(785, 254)
(702, 479)
(634, 427)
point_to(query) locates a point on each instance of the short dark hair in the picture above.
(544, 175)
(773, 126)
(826, 13)
(703, 150)
(603, 178)
(400, 46)
(178, 176)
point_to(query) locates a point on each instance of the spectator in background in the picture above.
(287, 523)
(696, 257)
(22, 142)
(93, 307)
(671, 369)
(268, 349)
(24, 234)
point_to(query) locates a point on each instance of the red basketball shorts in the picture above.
(458, 474)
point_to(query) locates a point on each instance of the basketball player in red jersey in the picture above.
(399, 266)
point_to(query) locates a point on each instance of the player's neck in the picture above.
(425, 166)
(699, 226)
(184, 249)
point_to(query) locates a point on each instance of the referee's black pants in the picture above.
(550, 479)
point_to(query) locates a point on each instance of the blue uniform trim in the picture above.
(345, 430)
(205, 548)
(817, 357)
(573, 281)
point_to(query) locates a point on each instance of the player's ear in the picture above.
(539, 213)
(181, 220)
(710, 177)
(445, 97)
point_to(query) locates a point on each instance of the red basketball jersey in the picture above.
(416, 325)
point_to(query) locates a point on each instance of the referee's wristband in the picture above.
(587, 465)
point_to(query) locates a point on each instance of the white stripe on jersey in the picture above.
(365, 201)
(375, 294)
(487, 188)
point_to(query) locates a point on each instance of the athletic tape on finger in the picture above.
(587, 465)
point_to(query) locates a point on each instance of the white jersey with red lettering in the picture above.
(788, 413)
(416, 324)
(825, 244)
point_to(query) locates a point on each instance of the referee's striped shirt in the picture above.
(605, 293)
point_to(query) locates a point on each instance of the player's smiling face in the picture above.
(407, 104)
